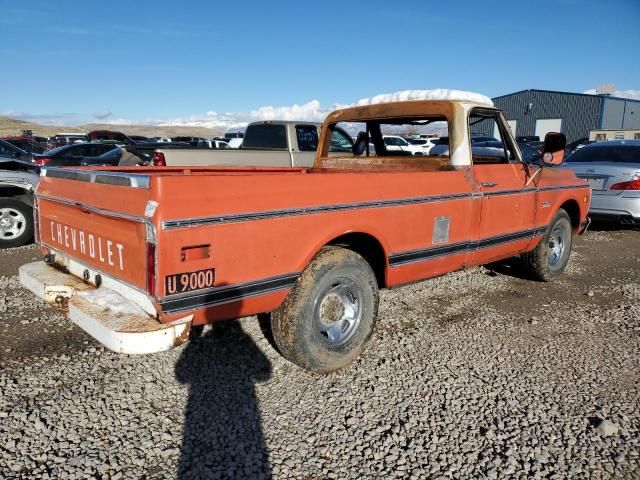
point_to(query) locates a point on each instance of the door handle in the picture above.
(488, 184)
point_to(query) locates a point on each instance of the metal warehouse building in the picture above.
(536, 112)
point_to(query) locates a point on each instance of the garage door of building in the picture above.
(512, 126)
(546, 125)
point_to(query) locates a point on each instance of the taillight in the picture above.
(629, 185)
(41, 161)
(158, 159)
(151, 269)
(36, 221)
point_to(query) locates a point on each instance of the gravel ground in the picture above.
(478, 374)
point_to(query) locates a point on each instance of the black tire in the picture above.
(21, 215)
(546, 261)
(329, 315)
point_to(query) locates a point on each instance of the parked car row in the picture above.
(38, 144)
(612, 168)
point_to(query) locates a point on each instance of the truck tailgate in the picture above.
(96, 218)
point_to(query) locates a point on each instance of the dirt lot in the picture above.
(478, 374)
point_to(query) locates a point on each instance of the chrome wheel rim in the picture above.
(339, 312)
(12, 223)
(557, 244)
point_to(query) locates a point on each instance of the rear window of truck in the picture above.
(373, 137)
(268, 135)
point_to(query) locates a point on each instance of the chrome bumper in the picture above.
(626, 204)
(125, 329)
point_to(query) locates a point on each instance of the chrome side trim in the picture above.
(132, 180)
(563, 187)
(280, 213)
(515, 191)
(244, 217)
(91, 208)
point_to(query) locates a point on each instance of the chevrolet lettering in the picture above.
(95, 246)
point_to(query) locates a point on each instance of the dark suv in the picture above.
(72, 155)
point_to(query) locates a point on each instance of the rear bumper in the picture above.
(626, 204)
(123, 327)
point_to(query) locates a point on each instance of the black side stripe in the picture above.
(226, 294)
(518, 191)
(231, 293)
(289, 212)
(243, 217)
(564, 187)
(421, 255)
(427, 253)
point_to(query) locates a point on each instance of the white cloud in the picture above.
(310, 112)
(632, 94)
(210, 119)
(123, 121)
(313, 111)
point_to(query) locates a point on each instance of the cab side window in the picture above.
(340, 142)
(489, 141)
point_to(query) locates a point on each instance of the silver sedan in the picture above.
(613, 171)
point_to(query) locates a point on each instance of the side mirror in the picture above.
(360, 144)
(553, 150)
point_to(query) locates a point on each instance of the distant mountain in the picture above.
(11, 126)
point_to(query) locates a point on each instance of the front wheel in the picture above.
(329, 315)
(16, 223)
(549, 259)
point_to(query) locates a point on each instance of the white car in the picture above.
(394, 143)
(213, 144)
(422, 146)
(235, 142)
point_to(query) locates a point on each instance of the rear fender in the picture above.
(334, 238)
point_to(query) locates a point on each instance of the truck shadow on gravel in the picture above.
(512, 267)
(222, 435)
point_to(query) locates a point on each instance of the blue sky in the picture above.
(77, 61)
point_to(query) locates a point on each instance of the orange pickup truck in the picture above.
(142, 255)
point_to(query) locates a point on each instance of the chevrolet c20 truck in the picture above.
(142, 255)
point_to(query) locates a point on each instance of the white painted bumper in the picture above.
(119, 332)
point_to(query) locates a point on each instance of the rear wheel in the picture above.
(549, 259)
(329, 315)
(16, 223)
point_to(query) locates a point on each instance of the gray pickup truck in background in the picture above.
(274, 143)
